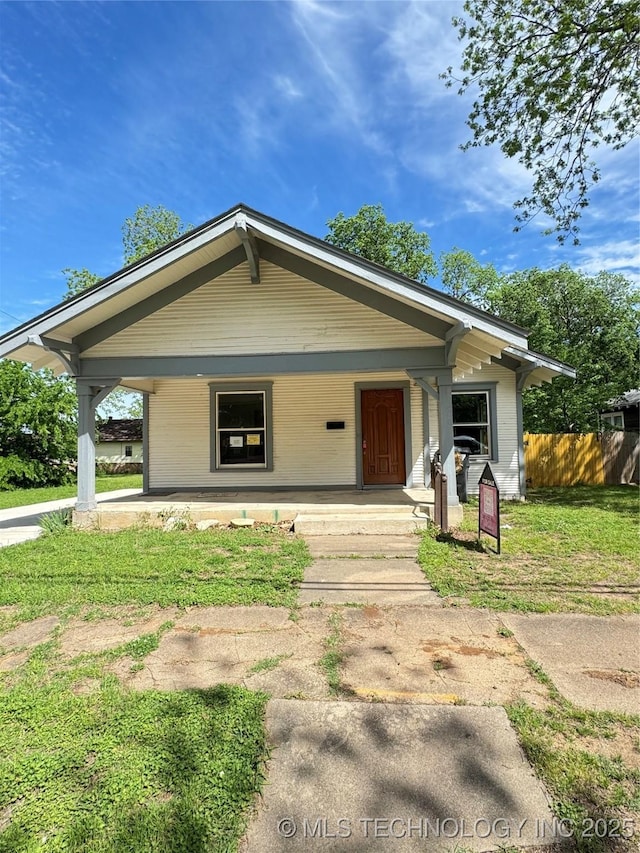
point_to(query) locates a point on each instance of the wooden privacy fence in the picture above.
(593, 459)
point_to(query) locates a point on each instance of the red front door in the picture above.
(383, 437)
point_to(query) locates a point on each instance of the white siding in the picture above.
(305, 452)
(114, 451)
(505, 468)
(284, 313)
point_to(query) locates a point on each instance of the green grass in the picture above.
(114, 771)
(333, 657)
(565, 549)
(76, 568)
(104, 483)
(589, 762)
(267, 664)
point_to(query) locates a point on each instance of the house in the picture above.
(622, 412)
(119, 445)
(269, 359)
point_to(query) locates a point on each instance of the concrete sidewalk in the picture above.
(594, 661)
(362, 777)
(366, 569)
(21, 523)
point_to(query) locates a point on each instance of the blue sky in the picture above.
(300, 110)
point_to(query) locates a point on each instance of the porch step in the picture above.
(345, 524)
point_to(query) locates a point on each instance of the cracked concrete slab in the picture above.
(450, 656)
(260, 647)
(360, 777)
(30, 633)
(98, 635)
(594, 661)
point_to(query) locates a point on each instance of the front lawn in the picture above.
(588, 761)
(104, 483)
(112, 770)
(564, 549)
(149, 566)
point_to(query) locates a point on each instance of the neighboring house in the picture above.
(269, 359)
(120, 443)
(623, 412)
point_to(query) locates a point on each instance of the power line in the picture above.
(9, 315)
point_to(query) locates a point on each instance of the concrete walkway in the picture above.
(361, 777)
(21, 523)
(366, 570)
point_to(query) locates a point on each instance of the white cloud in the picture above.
(621, 256)
(422, 44)
(287, 87)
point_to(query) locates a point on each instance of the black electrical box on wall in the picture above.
(335, 424)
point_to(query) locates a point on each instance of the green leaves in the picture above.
(589, 322)
(149, 229)
(37, 427)
(395, 245)
(552, 81)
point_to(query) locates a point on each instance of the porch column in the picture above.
(445, 426)
(86, 448)
(521, 377)
(145, 443)
(90, 395)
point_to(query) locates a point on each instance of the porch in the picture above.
(339, 511)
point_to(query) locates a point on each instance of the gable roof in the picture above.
(239, 235)
(120, 429)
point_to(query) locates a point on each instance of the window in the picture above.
(241, 427)
(613, 420)
(128, 450)
(473, 416)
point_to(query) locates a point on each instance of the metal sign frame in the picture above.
(489, 505)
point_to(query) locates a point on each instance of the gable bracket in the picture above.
(250, 246)
(522, 373)
(453, 339)
(67, 353)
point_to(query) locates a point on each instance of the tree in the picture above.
(466, 278)
(78, 280)
(588, 322)
(395, 245)
(37, 427)
(148, 229)
(555, 81)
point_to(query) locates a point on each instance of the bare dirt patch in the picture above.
(626, 679)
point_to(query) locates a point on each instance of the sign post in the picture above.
(489, 509)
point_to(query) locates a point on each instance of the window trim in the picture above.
(262, 387)
(490, 389)
(607, 419)
(129, 448)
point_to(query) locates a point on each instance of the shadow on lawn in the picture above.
(460, 539)
(168, 773)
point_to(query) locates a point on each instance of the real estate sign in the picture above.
(489, 510)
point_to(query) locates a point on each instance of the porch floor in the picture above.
(262, 506)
